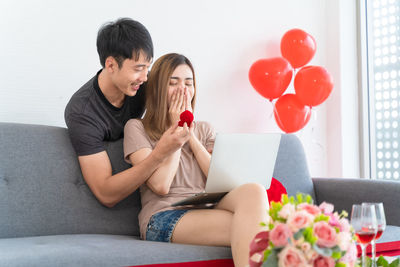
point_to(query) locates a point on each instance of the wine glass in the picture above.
(363, 220)
(381, 223)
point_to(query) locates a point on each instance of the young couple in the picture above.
(169, 162)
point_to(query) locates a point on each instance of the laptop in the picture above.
(237, 159)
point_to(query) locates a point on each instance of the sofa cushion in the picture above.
(100, 250)
(42, 191)
(291, 167)
(209, 263)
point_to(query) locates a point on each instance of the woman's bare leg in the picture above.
(204, 227)
(249, 205)
(235, 221)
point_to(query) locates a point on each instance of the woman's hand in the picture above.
(177, 105)
(188, 100)
(181, 100)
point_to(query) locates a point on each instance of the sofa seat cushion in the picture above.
(100, 250)
(209, 263)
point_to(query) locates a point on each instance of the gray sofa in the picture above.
(49, 217)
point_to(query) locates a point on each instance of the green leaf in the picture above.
(291, 200)
(395, 263)
(266, 253)
(338, 250)
(299, 197)
(309, 199)
(321, 217)
(271, 245)
(271, 226)
(340, 264)
(382, 262)
(272, 259)
(309, 235)
(343, 214)
(368, 262)
(263, 224)
(299, 234)
(327, 252)
(336, 255)
(285, 199)
(274, 210)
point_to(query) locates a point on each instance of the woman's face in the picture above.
(181, 77)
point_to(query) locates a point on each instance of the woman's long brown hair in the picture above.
(156, 119)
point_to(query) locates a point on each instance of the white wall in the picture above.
(48, 51)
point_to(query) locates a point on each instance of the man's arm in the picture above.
(111, 189)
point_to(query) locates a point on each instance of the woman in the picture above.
(234, 221)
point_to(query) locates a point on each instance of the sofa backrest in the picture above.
(291, 167)
(42, 191)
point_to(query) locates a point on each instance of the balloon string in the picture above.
(272, 110)
(314, 140)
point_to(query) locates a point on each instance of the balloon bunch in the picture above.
(271, 77)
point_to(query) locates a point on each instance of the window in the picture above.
(382, 76)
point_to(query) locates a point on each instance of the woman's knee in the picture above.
(253, 189)
(244, 196)
(251, 193)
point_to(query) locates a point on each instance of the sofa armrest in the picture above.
(344, 192)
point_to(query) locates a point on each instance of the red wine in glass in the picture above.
(379, 233)
(365, 237)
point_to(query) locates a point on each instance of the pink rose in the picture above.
(305, 247)
(322, 261)
(343, 239)
(311, 255)
(351, 255)
(325, 233)
(312, 209)
(334, 220)
(344, 225)
(299, 219)
(291, 257)
(286, 211)
(279, 235)
(326, 208)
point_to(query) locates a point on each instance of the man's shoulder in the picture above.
(80, 99)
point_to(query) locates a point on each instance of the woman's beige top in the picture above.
(189, 178)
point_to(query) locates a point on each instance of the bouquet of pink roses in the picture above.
(302, 234)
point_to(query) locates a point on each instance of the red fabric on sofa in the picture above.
(210, 263)
(275, 191)
(385, 249)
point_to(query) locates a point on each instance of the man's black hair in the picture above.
(123, 39)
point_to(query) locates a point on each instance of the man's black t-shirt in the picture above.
(91, 119)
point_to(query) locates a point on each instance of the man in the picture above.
(98, 111)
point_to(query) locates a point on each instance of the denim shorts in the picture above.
(162, 224)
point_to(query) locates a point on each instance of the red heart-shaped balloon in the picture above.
(313, 85)
(298, 47)
(270, 76)
(187, 117)
(291, 114)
